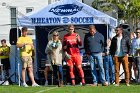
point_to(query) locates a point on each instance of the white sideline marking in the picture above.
(46, 90)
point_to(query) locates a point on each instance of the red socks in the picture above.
(81, 73)
(72, 75)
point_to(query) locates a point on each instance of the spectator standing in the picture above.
(48, 68)
(94, 47)
(26, 46)
(4, 56)
(54, 56)
(120, 48)
(108, 64)
(131, 60)
(136, 52)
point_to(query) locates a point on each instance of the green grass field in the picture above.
(71, 89)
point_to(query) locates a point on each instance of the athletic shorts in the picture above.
(6, 63)
(74, 60)
(48, 60)
(26, 61)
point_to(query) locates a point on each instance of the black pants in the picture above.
(57, 71)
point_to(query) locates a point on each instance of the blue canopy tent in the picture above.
(57, 15)
(66, 12)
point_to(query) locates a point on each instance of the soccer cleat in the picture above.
(83, 84)
(73, 82)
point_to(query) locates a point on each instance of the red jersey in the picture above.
(71, 43)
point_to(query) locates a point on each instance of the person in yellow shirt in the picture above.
(4, 56)
(26, 46)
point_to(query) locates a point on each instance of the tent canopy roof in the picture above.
(66, 12)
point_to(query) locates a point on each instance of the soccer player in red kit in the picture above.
(71, 41)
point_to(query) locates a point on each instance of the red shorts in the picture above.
(74, 60)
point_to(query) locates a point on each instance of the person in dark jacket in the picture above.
(94, 46)
(119, 49)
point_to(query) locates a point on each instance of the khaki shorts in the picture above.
(48, 61)
(26, 61)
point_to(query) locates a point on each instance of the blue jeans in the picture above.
(99, 60)
(57, 69)
(109, 69)
(137, 61)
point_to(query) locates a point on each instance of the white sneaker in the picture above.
(81, 83)
(46, 83)
(6, 83)
(116, 85)
(113, 83)
(127, 85)
(35, 85)
(24, 85)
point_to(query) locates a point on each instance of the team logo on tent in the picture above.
(65, 10)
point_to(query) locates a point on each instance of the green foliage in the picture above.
(130, 7)
(105, 8)
(120, 6)
(95, 4)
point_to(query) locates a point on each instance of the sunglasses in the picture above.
(71, 29)
(117, 30)
(55, 35)
(137, 32)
